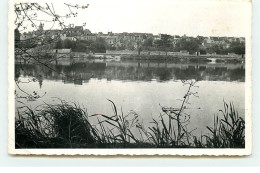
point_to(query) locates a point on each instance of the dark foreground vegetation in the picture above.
(68, 126)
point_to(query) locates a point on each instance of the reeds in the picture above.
(54, 126)
(67, 125)
(227, 132)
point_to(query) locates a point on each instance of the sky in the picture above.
(174, 17)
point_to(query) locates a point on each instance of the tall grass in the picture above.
(58, 126)
(227, 132)
(67, 125)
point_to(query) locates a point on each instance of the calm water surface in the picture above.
(140, 86)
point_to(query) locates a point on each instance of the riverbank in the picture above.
(157, 55)
(172, 58)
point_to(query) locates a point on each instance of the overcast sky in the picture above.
(207, 17)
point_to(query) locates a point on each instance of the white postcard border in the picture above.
(130, 152)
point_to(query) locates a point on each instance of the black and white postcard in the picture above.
(130, 77)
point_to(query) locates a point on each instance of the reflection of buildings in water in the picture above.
(207, 77)
(78, 81)
(68, 80)
(137, 71)
(40, 80)
(73, 81)
(202, 67)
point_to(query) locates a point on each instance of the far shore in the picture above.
(177, 58)
(155, 55)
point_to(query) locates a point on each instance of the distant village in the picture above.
(78, 39)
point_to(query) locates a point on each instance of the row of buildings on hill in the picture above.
(125, 40)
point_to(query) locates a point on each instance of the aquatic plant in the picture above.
(67, 125)
(227, 132)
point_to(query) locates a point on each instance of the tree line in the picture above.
(95, 46)
(191, 45)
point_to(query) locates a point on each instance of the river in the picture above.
(139, 86)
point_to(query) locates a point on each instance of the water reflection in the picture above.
(79, 73)
(141, 86)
